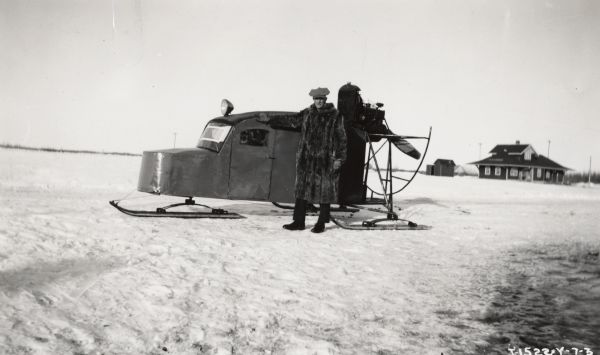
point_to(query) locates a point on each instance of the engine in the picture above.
(362, 116)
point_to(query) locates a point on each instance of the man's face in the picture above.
(320, 102)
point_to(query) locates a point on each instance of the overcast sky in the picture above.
(124, 75)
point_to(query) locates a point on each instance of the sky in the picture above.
(135, 75)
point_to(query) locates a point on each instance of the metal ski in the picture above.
(372, 225)
(390, 222)
(162, 211)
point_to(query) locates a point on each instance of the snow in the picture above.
(589, 185)
(506, 263)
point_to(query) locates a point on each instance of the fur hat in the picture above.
(319, 92)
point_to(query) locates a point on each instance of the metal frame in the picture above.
(387, 186)
(388, 189)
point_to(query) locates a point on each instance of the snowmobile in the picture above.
(240, 158)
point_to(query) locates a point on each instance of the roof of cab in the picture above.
(237, 118)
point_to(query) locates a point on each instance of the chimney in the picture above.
(518, 142)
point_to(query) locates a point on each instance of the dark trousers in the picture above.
(300, 211)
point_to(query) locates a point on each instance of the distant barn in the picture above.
(519, 162)
(441, 167)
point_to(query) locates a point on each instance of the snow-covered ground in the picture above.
(506, 264)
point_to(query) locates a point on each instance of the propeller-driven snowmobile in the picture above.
(239, 157)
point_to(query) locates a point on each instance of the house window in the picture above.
(539, 173)
(497, 171)
(487, 170)
(528, 155)
(257, 137)
(514, 172)
(547, 175)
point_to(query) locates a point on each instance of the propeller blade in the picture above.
(406, 148)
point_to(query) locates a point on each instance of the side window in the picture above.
(256, 137)
(539, 173)
(497, 171)
(487, 170)
(213, 136)
(514, 172)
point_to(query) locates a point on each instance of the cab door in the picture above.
(251, 161)
(284, 166)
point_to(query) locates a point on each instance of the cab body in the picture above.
(236, 157)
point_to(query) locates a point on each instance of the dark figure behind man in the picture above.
(320, 155)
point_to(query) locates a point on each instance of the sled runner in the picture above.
(373, 225)
(162, 211)
(243, 157)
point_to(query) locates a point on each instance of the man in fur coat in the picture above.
(320, 155)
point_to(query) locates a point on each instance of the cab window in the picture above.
(255, 137)
(213, 136)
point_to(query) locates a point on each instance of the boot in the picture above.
(294, 226)
(318, 228)
(325, 210)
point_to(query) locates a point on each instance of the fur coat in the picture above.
(322, 141)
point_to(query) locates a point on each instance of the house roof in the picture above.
(509, 148)
(445, 162)
(537, 160)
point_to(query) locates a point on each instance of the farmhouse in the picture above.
(519, 162)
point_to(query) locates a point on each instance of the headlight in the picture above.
(226, 107)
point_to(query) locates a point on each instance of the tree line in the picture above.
(60, 150)
(575, 177)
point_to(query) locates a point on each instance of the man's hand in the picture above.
(337, 164)
(262, 118)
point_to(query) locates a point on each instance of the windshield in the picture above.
(213, 136)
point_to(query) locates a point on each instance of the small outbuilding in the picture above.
(441, 167)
